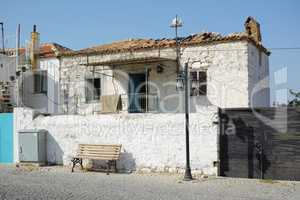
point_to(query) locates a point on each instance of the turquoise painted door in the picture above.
(136, 92)
(6, 137)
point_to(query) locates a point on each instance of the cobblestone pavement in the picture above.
(59, 183)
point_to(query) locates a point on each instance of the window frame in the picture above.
(42, 86)
(196, 80)
(96, 94)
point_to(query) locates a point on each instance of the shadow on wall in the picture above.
(199, 101)
(54, 152)
(43, 97)
(125, 164)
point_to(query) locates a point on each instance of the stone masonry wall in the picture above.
(229, 83)
(150, 142)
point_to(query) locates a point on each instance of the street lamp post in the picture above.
(187, 174)
(183, 84)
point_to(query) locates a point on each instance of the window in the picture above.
(93, 89)
(40, 82)
(198, 83)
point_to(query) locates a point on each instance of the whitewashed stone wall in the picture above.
(232, 73)
(227, 72)
(152, 142)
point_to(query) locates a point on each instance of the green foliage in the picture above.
(296, 101)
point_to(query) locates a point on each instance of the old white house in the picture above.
(41, 86)
(33, 75)
(225, 71)
(127, 93)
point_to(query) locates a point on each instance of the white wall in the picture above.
(259, 86)
(227, 72)
(50, 102)
(149, 141)
(51, 65)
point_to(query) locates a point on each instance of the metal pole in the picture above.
(188, 174)
(17, 64)
(2, 30)
(262, 162)
(146, 85)
(93, 83)
(177, 45)
(22, 89)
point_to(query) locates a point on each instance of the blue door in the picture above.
(136, 94)
(6, 137)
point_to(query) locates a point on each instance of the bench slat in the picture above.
(94, 149)
(96, 153)
(98, 157)
(99, 150)
(97, 145)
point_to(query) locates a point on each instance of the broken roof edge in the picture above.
(170, 43)
(54, 50)
(243, 38)
(46, 50)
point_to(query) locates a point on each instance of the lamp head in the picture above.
(176, 22)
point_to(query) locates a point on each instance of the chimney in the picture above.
(252, 29)
(34, 49)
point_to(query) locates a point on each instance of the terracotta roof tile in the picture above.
(147, 44)
(47, 50)
(52, 50)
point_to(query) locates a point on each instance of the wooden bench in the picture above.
(109, 153)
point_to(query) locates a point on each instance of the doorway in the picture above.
(137, 97)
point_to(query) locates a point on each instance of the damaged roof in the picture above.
(46, 50)
(52, 50)
(132, 45)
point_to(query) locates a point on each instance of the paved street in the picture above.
(59, 183)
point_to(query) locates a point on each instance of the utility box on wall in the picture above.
(32, 146)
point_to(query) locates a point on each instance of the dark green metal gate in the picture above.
(260, 143)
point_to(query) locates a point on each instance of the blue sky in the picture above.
(80, 24)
